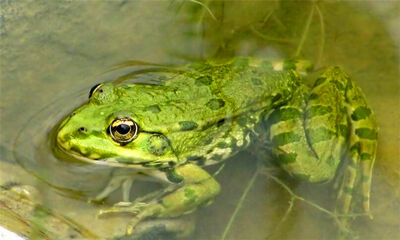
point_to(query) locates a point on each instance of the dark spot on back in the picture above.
(313, 96)
(215, 104)
(203, 80)
(153, 108)
(220, 122)
(276, 97)
(256, 81)
(187, 125)
(208, 140)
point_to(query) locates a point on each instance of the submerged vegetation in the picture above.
(326, 33)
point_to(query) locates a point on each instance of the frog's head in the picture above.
(106, 130)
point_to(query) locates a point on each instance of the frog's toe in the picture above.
(124, 207)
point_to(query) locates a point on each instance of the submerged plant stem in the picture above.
(322, 26)
(305, 32)
(205, 7)
(259, 34)
(343, 228)
(239, 205)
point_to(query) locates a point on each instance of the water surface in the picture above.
(53, 52)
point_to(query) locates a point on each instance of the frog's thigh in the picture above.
(304, 136)
(198, 188)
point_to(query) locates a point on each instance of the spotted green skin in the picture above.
(208, 112)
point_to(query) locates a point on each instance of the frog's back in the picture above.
(205, 93)
(245, 82)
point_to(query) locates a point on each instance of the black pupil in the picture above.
(123, 129)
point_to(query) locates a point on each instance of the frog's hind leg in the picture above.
(305, 134)
(362, 151)
(357, 127)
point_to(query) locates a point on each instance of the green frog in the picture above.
(206, 113)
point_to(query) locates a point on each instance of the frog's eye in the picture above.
(123, 130)
(94, 89)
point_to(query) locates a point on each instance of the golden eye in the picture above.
(123, 130)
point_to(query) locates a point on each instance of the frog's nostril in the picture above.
(82, 129)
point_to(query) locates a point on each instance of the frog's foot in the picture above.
(197, 188)
(356, 180)
(140, 210)
(123, 181)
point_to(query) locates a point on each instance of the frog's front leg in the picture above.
(123, 181)
(197, 188)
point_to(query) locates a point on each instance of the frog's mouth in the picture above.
(111, 161)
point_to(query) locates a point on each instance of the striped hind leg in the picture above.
(362, 151)
(312, 134)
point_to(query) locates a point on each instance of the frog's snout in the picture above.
(62, 138)
(66, 134)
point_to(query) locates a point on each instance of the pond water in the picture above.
(53, 52)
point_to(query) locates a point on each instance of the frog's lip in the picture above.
(67, 149)
(112, 162)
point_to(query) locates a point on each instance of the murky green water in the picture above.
(52, 52)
